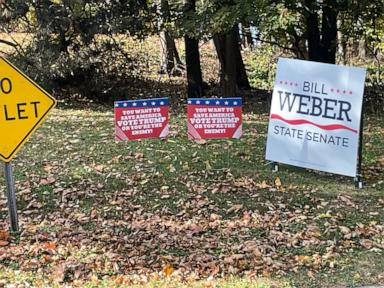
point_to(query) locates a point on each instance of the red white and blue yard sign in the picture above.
(140, 119)
(214, 118)
(315, 116)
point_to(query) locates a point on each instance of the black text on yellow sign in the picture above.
(23, 107)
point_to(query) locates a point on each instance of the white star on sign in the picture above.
(161, 103)
(145, 104)
(207, 102)
(197, 102)
(117, 105)
(217, 102)
(189, 102)
(235, 103)
(226, 102)
(125, 104)
(153, 103)
(134, 104)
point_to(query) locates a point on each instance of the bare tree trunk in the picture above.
(172, 46)
(165, 64)
(192, 58)
(230, 79)
(233, 75)
(242, 38)
(247, 34)
(342, 43)
(322, 45)
(228, 66)
(313, 32)
(329, 32)
(170, 62)
(362, 48)
(241, 73)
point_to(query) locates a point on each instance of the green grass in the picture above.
(131, 208)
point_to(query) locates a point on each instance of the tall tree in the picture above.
(233, 75)
(192, 57)
(309, 28)
(322, 43)
(170, 62)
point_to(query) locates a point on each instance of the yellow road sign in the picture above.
(23, 107)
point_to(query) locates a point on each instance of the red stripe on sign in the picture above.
(302, 121)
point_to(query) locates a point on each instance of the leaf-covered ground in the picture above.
(95, 213)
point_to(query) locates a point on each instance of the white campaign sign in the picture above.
(315, 116)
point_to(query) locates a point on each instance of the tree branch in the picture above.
(275, 43)
(14, 45)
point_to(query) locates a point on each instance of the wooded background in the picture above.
(83, 44)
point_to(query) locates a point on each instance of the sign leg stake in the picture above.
(275, 167)
(359, 182)
(11, 198)
(359, 177)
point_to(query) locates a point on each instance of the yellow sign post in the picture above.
(23, 107)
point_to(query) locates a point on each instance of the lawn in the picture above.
(174, 213)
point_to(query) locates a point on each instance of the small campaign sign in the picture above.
(214, 118)
(315, 116)
(140, 119)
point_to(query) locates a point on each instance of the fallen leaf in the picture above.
(186, 166)
(58, 273)
(119, 280)
(171, 168)
(49, 247)
(47, 258)
(47, 181)
(347, 200)
(4, 235)
(200, 141)
(311, 274)
(168, 270)
(208, 165)
(345, 230)
(235, 208)
(277, 182)
(366, 243)
(263, 185)
(209, 285)
(304, 259)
